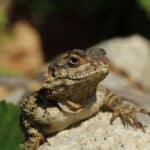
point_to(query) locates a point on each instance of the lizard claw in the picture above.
(128, 119)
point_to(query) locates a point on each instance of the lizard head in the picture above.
(79, 65)
(75, 74)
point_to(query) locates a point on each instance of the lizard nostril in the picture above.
(102, 51)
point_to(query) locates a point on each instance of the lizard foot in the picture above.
(128, 118)
(33, 140)
(32, 143)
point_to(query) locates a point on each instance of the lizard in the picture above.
(72, 92)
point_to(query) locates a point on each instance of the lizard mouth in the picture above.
(102, 69)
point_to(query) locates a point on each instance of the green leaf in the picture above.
(10, 133)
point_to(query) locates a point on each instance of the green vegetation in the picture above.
(10, 133)
(10, 72)
(4, 38)
(145, 4)
(3, 19)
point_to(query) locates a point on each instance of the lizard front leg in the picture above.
(38, 112)
(123, 109)
(34, 137)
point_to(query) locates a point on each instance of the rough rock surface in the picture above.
(97, 134)
(131, 54)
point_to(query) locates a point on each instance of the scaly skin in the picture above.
(72, 93)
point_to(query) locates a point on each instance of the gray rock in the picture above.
(15, 96)
(132, 54)
(97, 134)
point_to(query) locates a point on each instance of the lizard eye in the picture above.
(74, 61)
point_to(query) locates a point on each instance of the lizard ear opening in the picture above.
(51, 70)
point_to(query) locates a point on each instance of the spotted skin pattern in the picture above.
(72, 92)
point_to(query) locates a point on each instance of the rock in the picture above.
(131, 54)
(15, 96)
(97, 134)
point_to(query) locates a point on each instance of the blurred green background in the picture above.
(62, 25)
